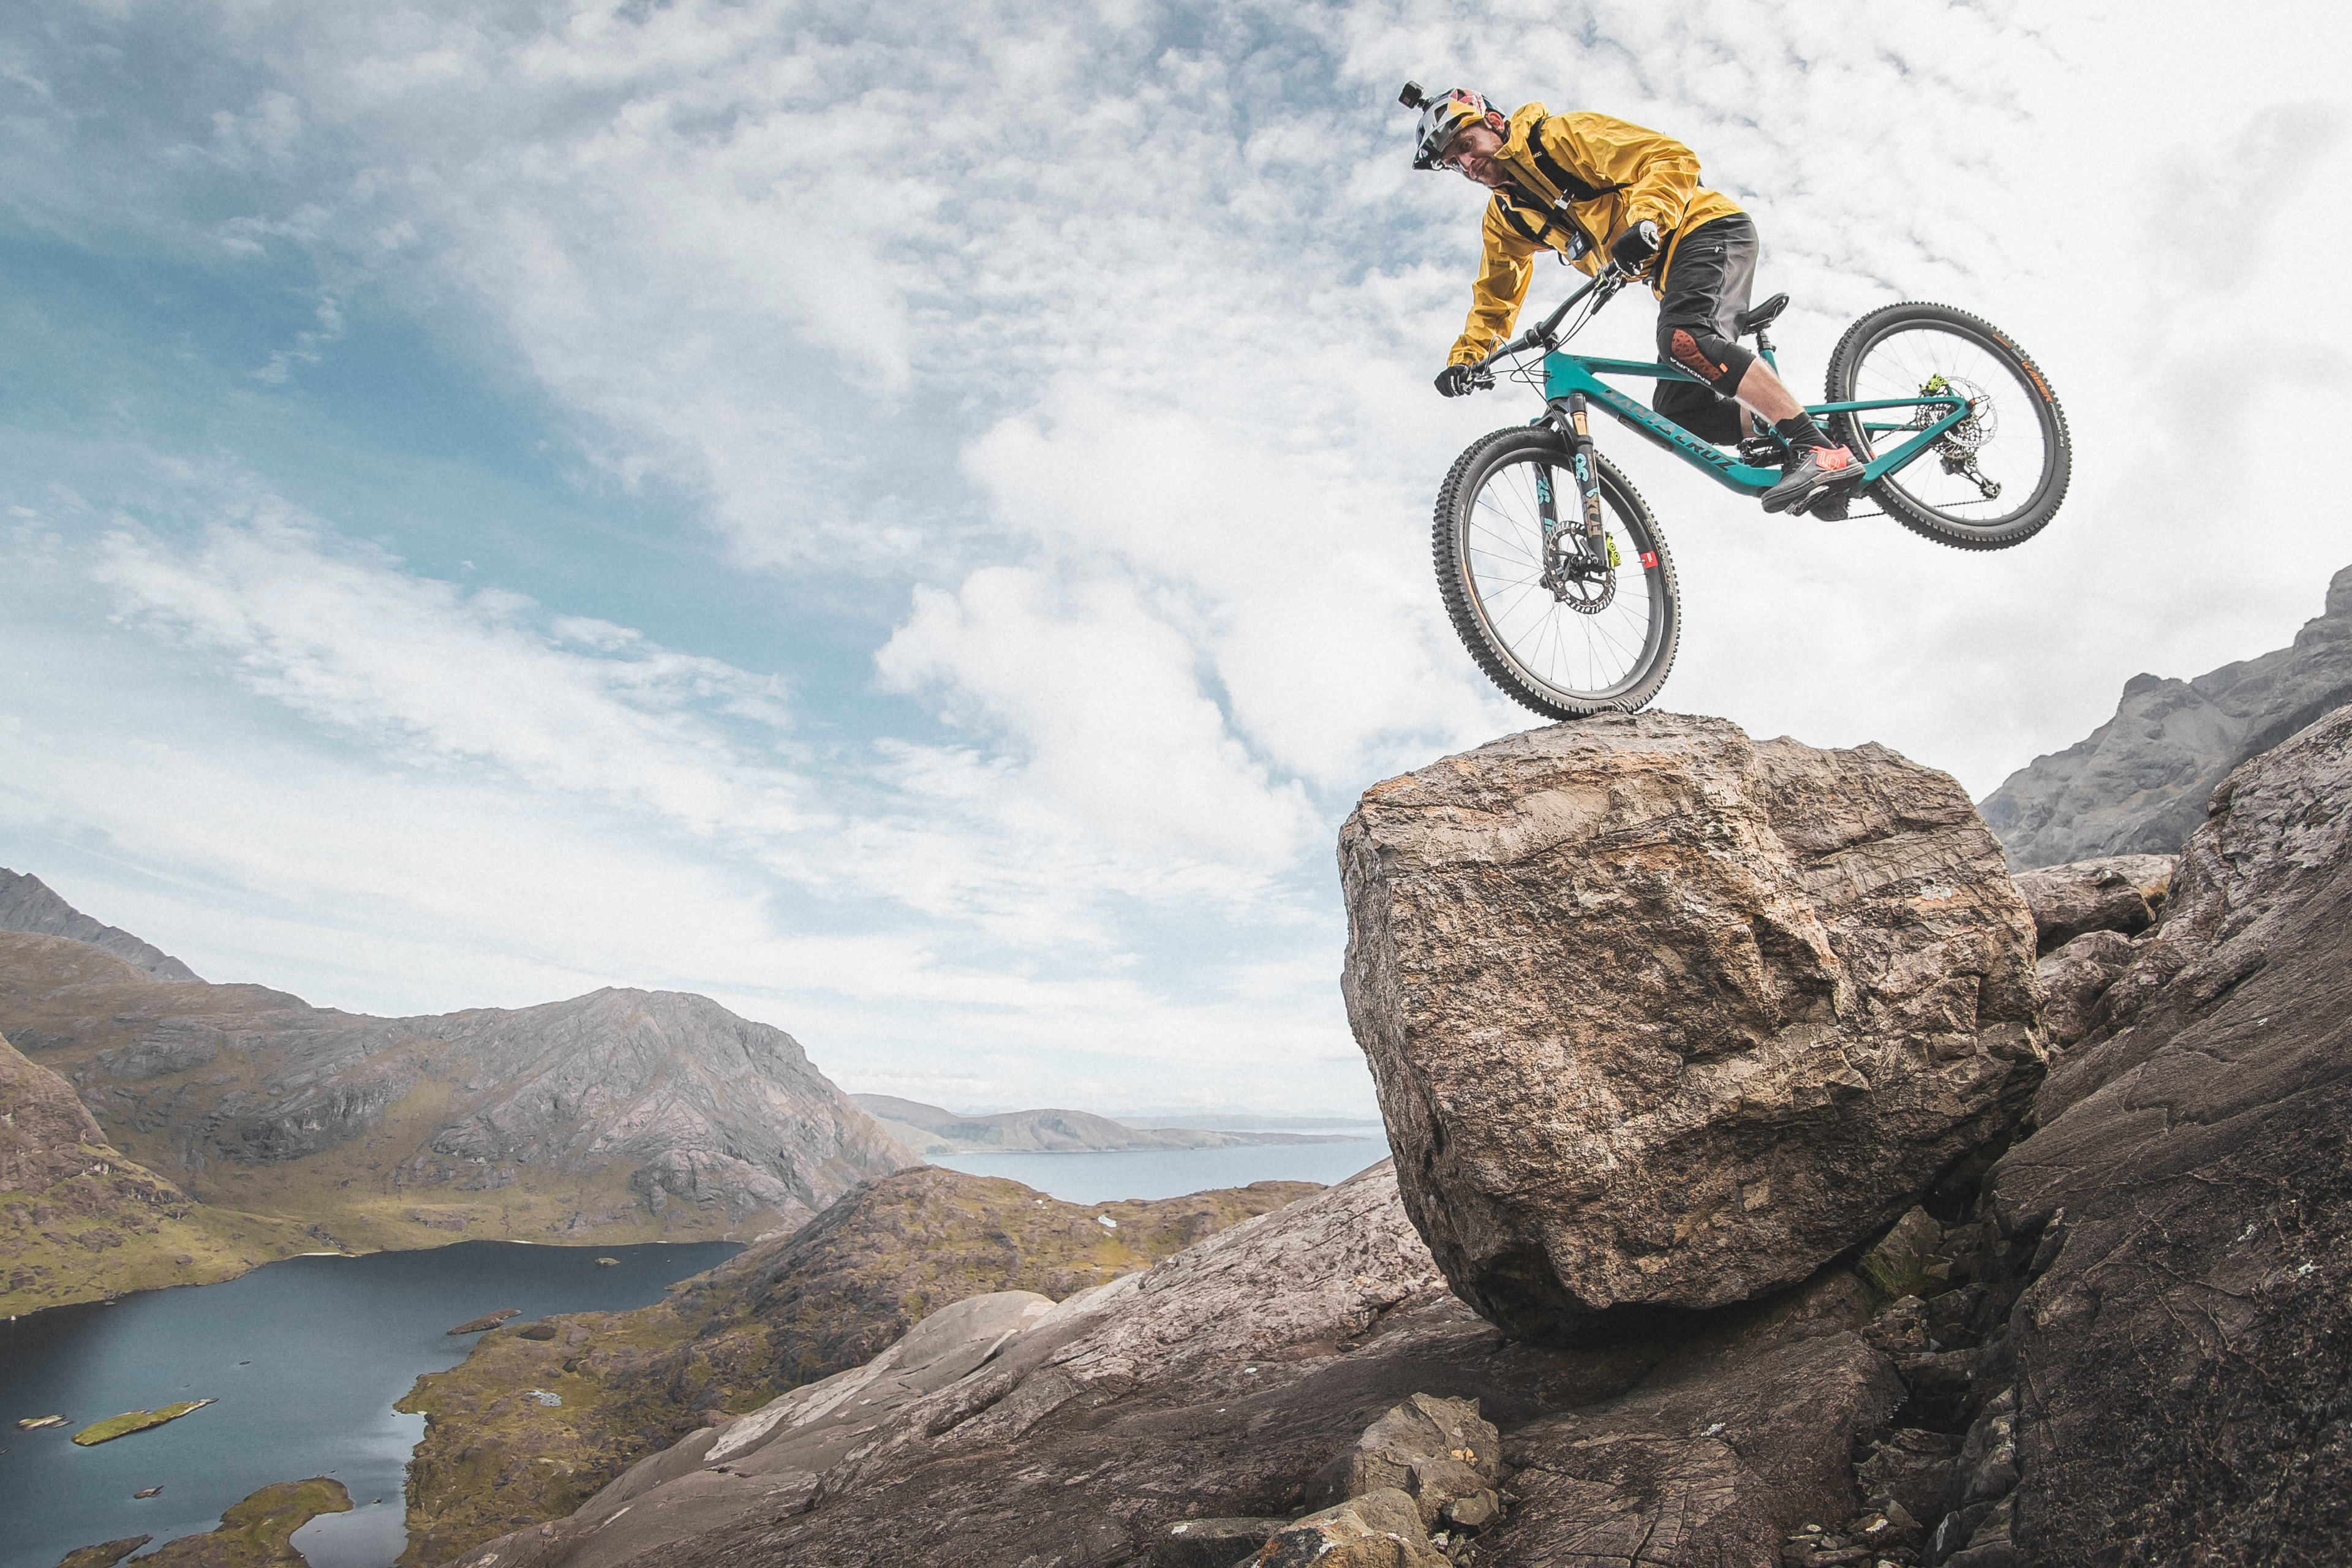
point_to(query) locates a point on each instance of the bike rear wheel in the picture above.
(1993, 480)
(1564, 650)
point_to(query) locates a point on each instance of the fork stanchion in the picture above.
(1588, 474)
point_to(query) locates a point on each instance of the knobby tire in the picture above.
(2058, 461)
(1625, 513)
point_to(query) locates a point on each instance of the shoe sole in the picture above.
(1797, 501)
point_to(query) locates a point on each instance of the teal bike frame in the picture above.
(1570, 381)
(1568, 377)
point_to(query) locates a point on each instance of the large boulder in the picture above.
(1664, 1019)
(2138, 783)
(2181, 1357)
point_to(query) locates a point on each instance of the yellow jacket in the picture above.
(1610, 175)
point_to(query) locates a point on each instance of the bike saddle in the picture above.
(1759, 316)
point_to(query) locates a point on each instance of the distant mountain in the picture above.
(78, 1221)
(929, 1130)
(2138, 783)
(28, 905)
(617, 1116)
(1243, 1120)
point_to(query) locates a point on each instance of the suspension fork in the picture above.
(1587, 540)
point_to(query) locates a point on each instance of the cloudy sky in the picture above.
(912, 520)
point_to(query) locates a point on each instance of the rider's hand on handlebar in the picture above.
(1457, 380)
(1632, 249)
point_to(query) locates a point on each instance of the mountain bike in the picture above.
(1962, 440)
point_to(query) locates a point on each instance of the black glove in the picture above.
(1454, 381)
(1632, 249)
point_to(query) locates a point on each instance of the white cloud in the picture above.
(1092, 345)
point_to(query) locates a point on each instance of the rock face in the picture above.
(79, 1222)
(2075, 979)
(2119, 893)
(620, 1115)
(2138, 783)
(1230, 1390)
(2181, 1355)
(1734, 1442)
(1665, 1019)
(28, 905)
(787, 1311)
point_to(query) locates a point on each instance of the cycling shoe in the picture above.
(1816, 469)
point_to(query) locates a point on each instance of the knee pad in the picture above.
(1708, 355)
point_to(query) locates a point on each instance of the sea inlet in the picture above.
(305, 1358)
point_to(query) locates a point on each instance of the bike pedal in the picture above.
(1834, 507)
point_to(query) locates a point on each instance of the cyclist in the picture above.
(1594, 190)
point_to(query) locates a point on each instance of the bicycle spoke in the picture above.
(2002, 446)
(1578, 652)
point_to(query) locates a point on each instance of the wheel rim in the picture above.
(2008, 442)
(1591, 654)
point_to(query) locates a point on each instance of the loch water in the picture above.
(1091, 1177)
(305, 1357)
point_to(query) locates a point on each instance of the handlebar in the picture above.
(1543, 335)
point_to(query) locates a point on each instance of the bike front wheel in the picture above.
(1563, 647)
(1996, 477)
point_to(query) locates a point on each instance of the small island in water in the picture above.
(131, 1421)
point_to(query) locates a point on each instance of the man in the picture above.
(1595, 190)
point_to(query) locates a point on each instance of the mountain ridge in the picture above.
(2139, 782)
(30, 905)
(616, 1116)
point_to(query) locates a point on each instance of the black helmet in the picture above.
(1440, 118)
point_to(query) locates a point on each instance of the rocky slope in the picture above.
(929, 1130)
(1223, 1394)
(27, 906)
(2112, 1329)
(2182, 1356)
(788, 1311)
(617, 1116)
(1662, 1019)
(2138, 782)
(79, 1222)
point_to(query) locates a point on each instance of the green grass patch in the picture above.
(130, 1421)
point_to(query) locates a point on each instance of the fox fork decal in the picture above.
(1588, 477)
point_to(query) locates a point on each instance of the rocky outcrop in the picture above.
(27, 906)
(788, 1311)
(929, 1130)
(2075, 979)
(1731, 1445)
(2120, 893)
(1664, 1020)
(2180, 1355)
(79, 1222)
(620, 1115)
(2138, 783)
(1225, 1395)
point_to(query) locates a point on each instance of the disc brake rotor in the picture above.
(1583, 585)
(1978, 426)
